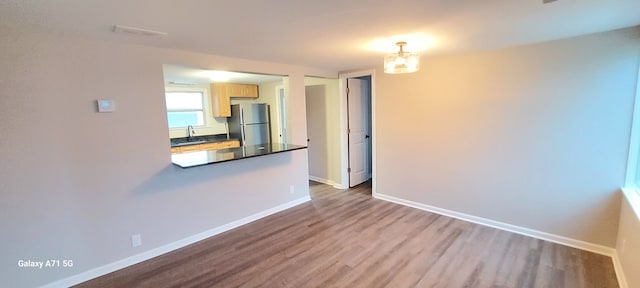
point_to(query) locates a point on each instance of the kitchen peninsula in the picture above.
(207, 157)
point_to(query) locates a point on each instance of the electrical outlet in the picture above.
(136, 240)
(292, 189)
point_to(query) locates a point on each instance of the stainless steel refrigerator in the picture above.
(249, 122)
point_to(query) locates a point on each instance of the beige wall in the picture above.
(332, 141)
(535, 136)
(76, 184)
(628, 244)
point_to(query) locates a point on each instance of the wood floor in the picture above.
(348, 239)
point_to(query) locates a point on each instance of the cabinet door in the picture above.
(210, 146)
(229, 144)
(220, 104)
(235, 90)
(189, 148)
(251, 91)
(206, 146)
(242, 90)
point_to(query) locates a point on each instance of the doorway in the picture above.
(365, 111)
(282, 109)
(359, 129)
(324, 131)
(331, 139)
(317, 133)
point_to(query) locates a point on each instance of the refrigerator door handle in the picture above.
(244, 138)
(243, 141)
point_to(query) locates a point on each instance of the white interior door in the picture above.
(358, 138)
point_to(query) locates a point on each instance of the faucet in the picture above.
(190, 133)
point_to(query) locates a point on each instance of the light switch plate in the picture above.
(105, 105)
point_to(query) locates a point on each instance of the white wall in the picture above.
(76, 184)
(535, 136)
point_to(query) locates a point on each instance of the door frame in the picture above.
(344, 123)
(281, 99)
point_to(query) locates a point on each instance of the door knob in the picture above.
(366, 136)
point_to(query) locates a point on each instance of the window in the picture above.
(632, 180)
(185, 108)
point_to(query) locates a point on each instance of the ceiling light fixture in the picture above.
(401, 62)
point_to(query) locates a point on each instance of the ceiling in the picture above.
(188, 76)
(335, 35)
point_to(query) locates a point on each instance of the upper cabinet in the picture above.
(222, 92)
(220, 103)
(242, 90)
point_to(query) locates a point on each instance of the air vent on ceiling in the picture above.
(181, 83)
(138, 31)
(548, 1)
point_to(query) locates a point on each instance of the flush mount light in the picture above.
(401, 62)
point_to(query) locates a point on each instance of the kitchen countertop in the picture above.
(207, 157)
(183, 141)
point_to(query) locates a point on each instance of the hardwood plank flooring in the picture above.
(349, 239)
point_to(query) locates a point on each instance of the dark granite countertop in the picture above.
(183, 141)
(200, 158)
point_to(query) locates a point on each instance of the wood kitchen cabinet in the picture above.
(190, 148)
(228, 144)
(242, 90)
(220, 102)
(219, 145)
(221, 94)
(206, 146)
(251, 91)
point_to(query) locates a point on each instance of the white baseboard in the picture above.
(595, 248)
(340, 186)
(622, 279)
(582, 245)
(321, 180)
(106, 269)
(328, 182)
(632, 196)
